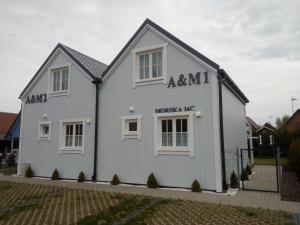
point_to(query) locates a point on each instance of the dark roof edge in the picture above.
(60, 46)
(232, 86)
(167, 34)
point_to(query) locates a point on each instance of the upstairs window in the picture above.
(59, 81)
(149, 65)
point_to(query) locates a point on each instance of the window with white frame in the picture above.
(59, 82)
(44, 130)
(174, 133)
(131, 126)
(72, 135)
(150, 64)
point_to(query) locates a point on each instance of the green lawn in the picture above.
(270, 161)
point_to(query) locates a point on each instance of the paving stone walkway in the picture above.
(242, 198)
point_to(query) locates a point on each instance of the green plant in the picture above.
(248, 170)
(11, 161)
(294, 156)
(29, 172)
(233, 180)
(196, 186)
(115, 180)
(55, 175)
(152, 182)
(81, 177)
(244, 175)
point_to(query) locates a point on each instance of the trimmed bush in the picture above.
(233, 180)
(115, 180)
(55, 175)
(196, 186)
(29, 172)
(294, 156)
(11, 161)
(81, 177)
(248, 170)
(152, 182)
(244, 175)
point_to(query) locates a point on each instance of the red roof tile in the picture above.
(6, 120)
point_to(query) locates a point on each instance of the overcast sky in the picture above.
(256, 42)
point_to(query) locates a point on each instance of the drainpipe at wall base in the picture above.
(224, 180)
(97, 82)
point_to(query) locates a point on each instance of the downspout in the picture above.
(224, 181)
(97, 82)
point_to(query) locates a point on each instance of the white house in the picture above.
(160, 106)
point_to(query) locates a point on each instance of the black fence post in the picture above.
(242, 164)
(278, 169)
(238, 165)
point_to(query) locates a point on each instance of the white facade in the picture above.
(158, 112)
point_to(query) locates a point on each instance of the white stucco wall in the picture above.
(44, 156)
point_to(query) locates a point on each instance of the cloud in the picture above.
(257, 42)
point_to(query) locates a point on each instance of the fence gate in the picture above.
(265, 169)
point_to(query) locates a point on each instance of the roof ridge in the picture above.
(67, 47)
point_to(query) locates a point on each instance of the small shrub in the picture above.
(244, 175)
(81, 177)
(152, 182)
(115, 180)
(11, 161)
(55, 175)
(196, 186)
(248, 170)
(294, 156)
(29, 172)
(233, 180)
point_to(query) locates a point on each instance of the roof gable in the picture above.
(228, 81)
(92, 67)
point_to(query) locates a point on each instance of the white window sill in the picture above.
(173, 151)
(130, 136)
(149, 81)
(71, 151)
(58, 93)
(44, 139)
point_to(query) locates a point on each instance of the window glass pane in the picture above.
(56, 78)
(170, 126)
(132, 126)
(146, 66)
(178, 125)
(65, 79)
(45, 129)
(164, 125)
(184, 125)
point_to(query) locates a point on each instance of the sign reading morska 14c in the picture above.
(191, 80)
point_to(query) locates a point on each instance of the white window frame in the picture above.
(51, 70)
(136, 70)
(77, 150)
(173, 150)
(126, 134)
(44, 137)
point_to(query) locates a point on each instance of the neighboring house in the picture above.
(6, 121)
(294, 122)
(265, 135)
(13, 135)
(159, 107)
(252, 127)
